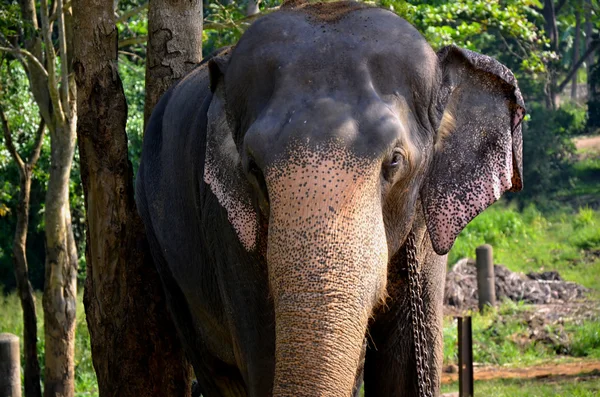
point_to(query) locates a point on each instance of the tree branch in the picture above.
(577, 65)
(8, 141)
(207, 25)
(132, 41)
(64, 69)
(39, 140)
(33, 58)
(559, 6)
(50, 60)
(128, 14)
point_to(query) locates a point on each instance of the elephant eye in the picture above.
(396, 158)
(393, 164)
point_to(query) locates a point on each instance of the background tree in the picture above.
(54, 91)
(21, 268)
(134, 343)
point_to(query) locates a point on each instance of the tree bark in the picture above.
(552, 34)
(589, 28)
(57, 104)
(576, 45)
(60, 287)
(135, 348)
(252, 8)
(32, 364)
(174, 45)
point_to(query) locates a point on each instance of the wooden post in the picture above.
(10, 366)
(465, 357)
(486, 287)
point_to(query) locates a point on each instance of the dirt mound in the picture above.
(533, 288)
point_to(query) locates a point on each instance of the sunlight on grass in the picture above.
(529, 241)
(568, 386)
(11, 320)
(502, 336)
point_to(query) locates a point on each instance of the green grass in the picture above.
(11, 320)
(502, 336)
(527, 241)
(563, 386)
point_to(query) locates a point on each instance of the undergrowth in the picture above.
(530, 241)
(504, 336)
(11, 320)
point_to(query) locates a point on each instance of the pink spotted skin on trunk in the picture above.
(450, 215)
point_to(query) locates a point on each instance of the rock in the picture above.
(535, 288)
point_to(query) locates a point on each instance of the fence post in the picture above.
(485, 276)
(10, 366)
(465, 357)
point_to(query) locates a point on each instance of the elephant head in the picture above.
(329, 124)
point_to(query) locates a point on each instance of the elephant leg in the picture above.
(390, 367)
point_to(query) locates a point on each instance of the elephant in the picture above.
(279, 182)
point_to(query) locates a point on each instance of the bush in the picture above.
(548, 153)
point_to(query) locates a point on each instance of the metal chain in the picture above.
(424, 387)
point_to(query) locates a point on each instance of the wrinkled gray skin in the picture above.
(280, 179)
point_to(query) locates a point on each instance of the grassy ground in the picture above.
(568, 241)
(562, 386)
(504, 336)
(11, 320)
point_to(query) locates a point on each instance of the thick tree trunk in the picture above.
(174, 45)
(576, 45)
(60, 288)
(135, 348)
(32, 364)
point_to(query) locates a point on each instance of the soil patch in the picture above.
(591, 368)
(590, 142)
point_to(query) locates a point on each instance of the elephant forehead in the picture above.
(294, 43)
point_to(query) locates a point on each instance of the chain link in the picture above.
(424, 387)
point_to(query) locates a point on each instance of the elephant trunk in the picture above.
(327, 257)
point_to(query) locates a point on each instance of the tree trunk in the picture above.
(174, 45)
(58, 109)
(60, 287)
(135, 348)
(32, 364)
(252, 8)
(576, 45)
(552, 97)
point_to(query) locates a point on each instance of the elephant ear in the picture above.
(222, 166)
(478, 149)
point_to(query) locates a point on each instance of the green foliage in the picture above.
(11, 320)
(132, 75)
(507, 26)
(10, 21)
(23, 118)
(548, 153)
(530, 241)
(502, 336)
(585, 340)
